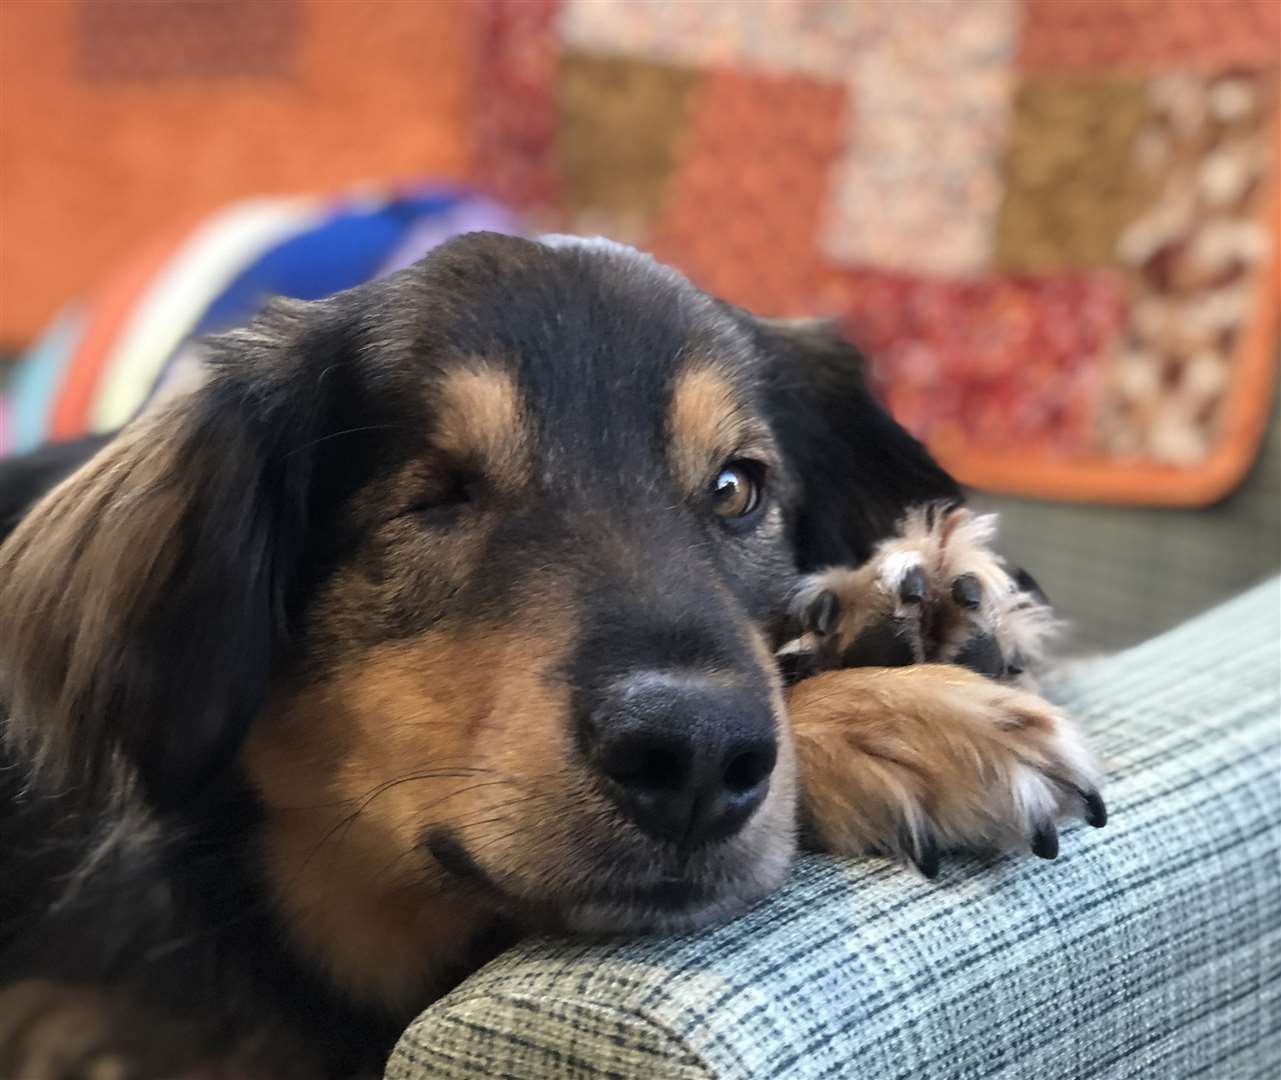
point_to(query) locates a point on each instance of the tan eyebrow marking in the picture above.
(481, 419)
(708, 423)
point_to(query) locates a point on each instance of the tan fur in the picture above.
(480, 419)
(50, 1029)
(891, 756)
(777, 824)
(359, 767)
(53, 1030)
(61, 615)
(708, 425)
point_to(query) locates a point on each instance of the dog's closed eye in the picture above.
(446, 498)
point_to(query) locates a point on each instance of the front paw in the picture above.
(917, 761)
(935, 592)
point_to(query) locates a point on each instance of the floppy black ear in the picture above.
(859, 470)
(142, 600)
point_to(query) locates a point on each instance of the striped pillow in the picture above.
(104, 357)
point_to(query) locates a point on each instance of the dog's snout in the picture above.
(686, 759)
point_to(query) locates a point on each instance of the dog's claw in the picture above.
(982, 654)
(1028, 584)
(967, 592)
(821, 615)
(926, 858)
(912, 588)
(1045, 841)
(934, 593)
(1096, 811)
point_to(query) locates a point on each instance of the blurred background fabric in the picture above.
(1052, 224)
(137, 337)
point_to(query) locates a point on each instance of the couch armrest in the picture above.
(1152, 947)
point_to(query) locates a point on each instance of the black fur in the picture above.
(133, 863)
(858, 467)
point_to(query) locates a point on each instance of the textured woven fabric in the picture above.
(1151, 948)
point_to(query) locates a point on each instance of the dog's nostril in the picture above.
(659, 769)
(686, 759)
(645, 766)
(746, 769)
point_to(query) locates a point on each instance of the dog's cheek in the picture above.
(461, 732)
(402, 581)
(760, 569)
(759, 858)
(353, 772)
(535, 803)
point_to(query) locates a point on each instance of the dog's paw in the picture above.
(935, 592)
(916, 761)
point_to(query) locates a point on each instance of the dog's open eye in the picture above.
(736, 491)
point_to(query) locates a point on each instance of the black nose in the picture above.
(685, 759)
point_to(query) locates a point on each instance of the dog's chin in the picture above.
(640, 915)
(632, 891)
(675, 904)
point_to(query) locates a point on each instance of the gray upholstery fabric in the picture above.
(1151, 948)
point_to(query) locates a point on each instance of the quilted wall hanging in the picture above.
(1051, 224)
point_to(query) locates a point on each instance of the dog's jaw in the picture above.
(642, 915)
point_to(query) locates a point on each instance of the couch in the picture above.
(1151, 948)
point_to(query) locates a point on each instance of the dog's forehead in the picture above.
(591, 339)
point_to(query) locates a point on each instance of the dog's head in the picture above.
(475, 573)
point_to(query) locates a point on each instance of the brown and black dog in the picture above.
(451, 607)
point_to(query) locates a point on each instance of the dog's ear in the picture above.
(142, 599)
(24, 478)
(858, 469)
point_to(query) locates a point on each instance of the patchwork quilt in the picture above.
(1052, 224)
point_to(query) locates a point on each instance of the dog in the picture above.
(529, 588)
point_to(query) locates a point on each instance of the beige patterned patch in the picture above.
(918, 189)
(1193, 253)
(1070, 185)
(622, 122)
(915, 187)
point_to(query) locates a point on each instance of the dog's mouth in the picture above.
(669, 900)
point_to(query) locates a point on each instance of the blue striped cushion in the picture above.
(1151, 948)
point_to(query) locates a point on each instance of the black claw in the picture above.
(1045, 841)
(1096, 812)
(1028, 584)
(821, 615)
(881, 645)
(926, 858)
(982, 655)
(797, 666)
(911, 589)
(967, 592)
